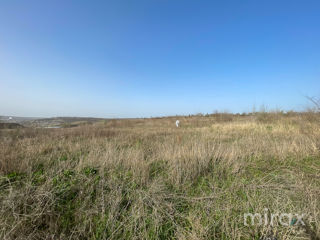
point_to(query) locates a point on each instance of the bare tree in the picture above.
(315, 101)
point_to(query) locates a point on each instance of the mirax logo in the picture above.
(271, 219)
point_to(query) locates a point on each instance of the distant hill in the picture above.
(14, 119)
(54, 122)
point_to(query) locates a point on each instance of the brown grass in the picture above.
(147, 179)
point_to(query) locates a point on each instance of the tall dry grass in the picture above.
(147, 179)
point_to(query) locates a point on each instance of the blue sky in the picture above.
(153, 58)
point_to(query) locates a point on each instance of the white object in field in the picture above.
(10, 118)
(177, 123)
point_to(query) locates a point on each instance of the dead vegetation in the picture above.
(147, 179)
(5, 125)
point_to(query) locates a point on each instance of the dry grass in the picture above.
(146, 179)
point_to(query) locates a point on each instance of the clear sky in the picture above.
(132, 58)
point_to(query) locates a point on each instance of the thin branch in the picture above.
(315, 101)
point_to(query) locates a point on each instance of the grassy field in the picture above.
(147, 179)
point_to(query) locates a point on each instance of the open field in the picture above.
(147, 179)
